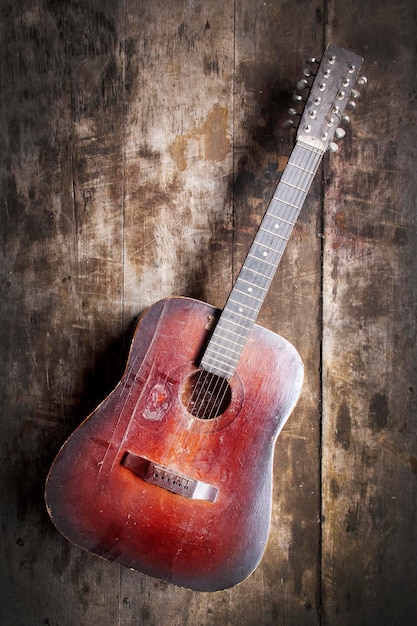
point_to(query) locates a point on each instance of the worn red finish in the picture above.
(104, 507)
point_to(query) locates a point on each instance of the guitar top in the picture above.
(171, 475)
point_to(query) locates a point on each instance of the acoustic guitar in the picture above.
(171, 474)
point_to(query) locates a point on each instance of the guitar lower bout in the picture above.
(173, 459)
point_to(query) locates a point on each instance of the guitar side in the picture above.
(145, 483)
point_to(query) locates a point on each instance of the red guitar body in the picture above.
(121, 486)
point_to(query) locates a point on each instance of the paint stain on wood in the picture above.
(212, 139)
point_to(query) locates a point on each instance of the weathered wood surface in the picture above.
(140, 142)
(369, 556)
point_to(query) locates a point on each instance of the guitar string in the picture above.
(210, 383)
(218, 403)
(196, 399)
(199, 394)
(218, 394)
(204, 388)
(310, 167)
(207, 382)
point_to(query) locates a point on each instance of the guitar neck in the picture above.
(248, 294)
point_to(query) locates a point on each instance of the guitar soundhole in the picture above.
(206, 395)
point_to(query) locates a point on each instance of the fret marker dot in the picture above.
(240, 310)
(265, 253)
(276, 225)
(250, 289)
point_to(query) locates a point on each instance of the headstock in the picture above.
(331, 93)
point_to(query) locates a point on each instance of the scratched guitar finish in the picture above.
(171, 475)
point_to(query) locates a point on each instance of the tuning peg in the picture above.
(351, 105)
(288, 124)
(340, 133)
(333, 147)
(302, 84)
(345, 119)
(297, 98)
(355, 94)
(307, 72)
(312, 61)
(362, 81)
(293, 112)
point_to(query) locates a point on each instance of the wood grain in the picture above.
(369, 483)
(140, 143)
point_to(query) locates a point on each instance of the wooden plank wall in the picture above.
(140, 143)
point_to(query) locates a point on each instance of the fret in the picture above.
(284, 182)
(249, 269)
(280, 219)
(270, 232)
(310, 148)
(237, 324)
(251, 256)
(264, 245)
(221, 345)
(283, 209)
(217, 368)
(294, 206)
(303, 169)
(243, 306)
(277, 230)
(247, 296)
(230, 332)
(270, 229)
(252, 286)
(240, 314)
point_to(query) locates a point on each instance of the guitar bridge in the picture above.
(162, 476)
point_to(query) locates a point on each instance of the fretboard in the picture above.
(225, 347)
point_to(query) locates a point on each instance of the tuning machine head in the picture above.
(288, 124)
(329, 83)
(351, 105)
(339, 133)
(302, 84)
